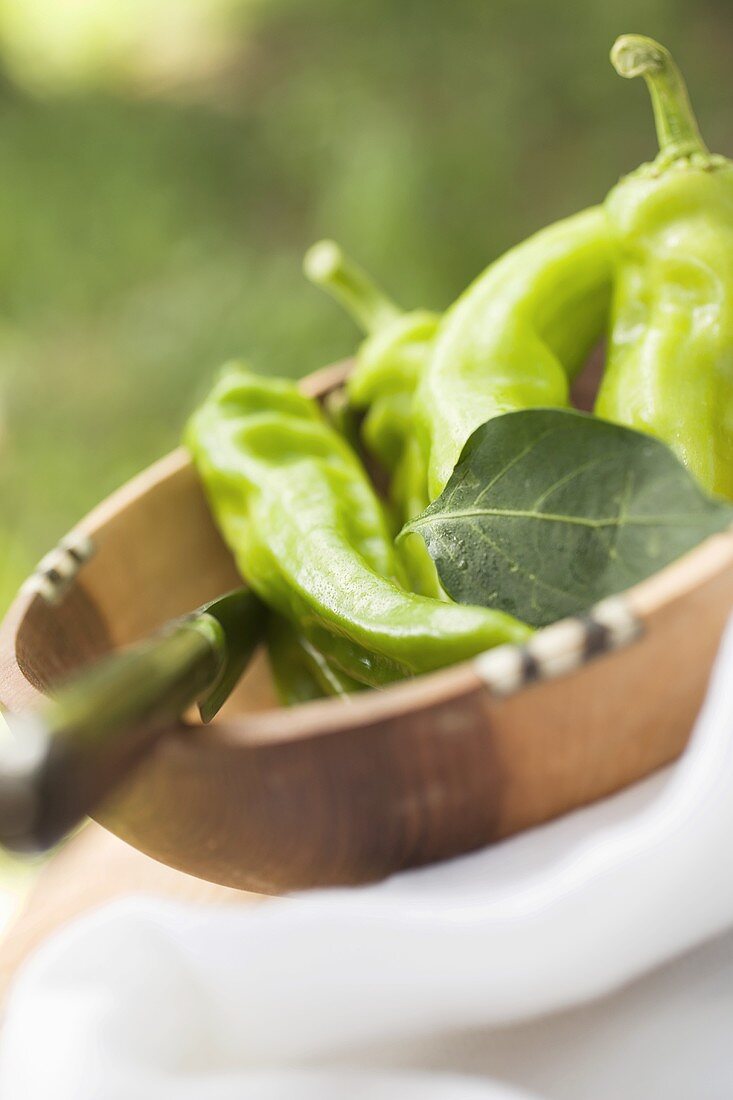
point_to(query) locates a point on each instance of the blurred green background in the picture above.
(166, 162)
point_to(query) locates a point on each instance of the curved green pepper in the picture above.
(309, 534)
(389, 361)
(515, 337)
(388, 367)
(669, 368)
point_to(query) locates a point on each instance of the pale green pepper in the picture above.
(310, 537)
(670, 358)
(515, 337)
(389, 363)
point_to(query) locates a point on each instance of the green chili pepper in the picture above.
(388, 367)
(299, 671)
(515, 337)
(310, 536)
(391, 358)
(669, 369)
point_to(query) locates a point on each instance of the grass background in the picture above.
(152, 221)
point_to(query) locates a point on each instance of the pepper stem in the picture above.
(677, 130)
(326, 265)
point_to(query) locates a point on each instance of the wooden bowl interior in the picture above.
(134, 584)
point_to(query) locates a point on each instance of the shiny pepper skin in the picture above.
(669, 370)
(515, 337)
(309, 536)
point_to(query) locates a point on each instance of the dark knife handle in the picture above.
(58, 763)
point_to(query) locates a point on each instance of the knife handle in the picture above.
(58, 763)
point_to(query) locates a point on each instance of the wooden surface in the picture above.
(333, 792)
(95, 867)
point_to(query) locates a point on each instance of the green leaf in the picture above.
(550, 510)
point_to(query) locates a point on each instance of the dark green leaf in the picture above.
(550, 510)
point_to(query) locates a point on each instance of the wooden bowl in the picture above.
(271, 799)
